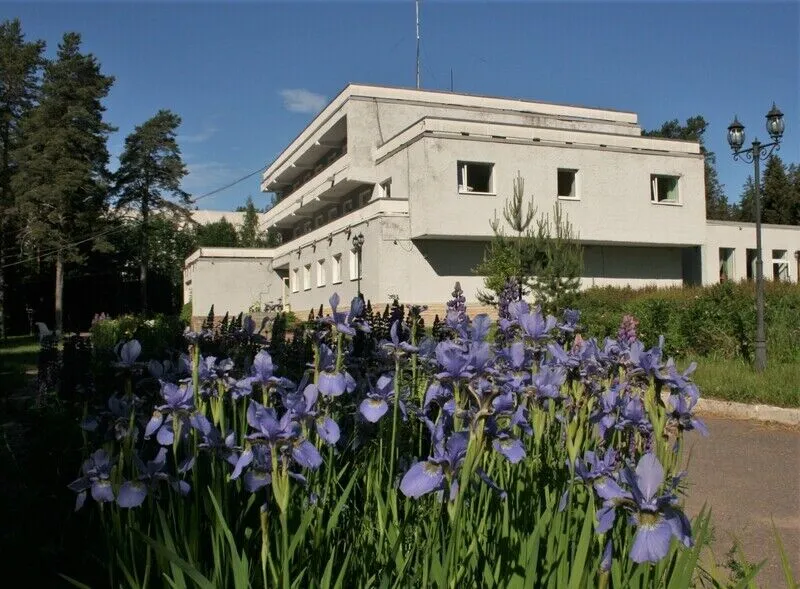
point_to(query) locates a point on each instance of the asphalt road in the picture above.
(749, 473)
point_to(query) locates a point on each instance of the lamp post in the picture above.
(755, 154)
(358, 244)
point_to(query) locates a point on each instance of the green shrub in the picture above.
(186, 313)
(717, 321)
(158, 335)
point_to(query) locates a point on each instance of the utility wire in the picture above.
(121, 227)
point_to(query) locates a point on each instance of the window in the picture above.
(726, 267)
(320, 220)
(364, 197)
(336, 269)
(320, 273)
(297, 230)
(347, 206)
(333, 213)
(664, 189)
(475, 177)
(295, 280)
(355, 265)
(386, 189)
(751, 264)
(568, 184)
(780, 265)
(307, 277)
(307, 227)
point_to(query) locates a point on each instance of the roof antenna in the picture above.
(416, 3)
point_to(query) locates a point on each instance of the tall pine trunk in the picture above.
(2, 286)
(144, 256)
(59, 291)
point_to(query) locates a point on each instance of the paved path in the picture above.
(749, 473)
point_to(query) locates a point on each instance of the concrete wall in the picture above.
(614, 202)
(742, 236)
(231, 279)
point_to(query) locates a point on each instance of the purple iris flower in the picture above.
(179, 404)
(516, 376)
(211, 439)
(346, 323)
(132, 493)
(96, 477)
(548, 381)
(303, 406)
(606, 411)
(633, 414)
(256, 464)
(397, 346)
(480, 327)
(680, 381)
(378, 400)
(430, 475)
(128, 353)
(595, 465)
(647, 362)
(454, 361)
(560, 357)
(536, 326)
(655, 516)
(511, 448)
(281, 434)
(681, 415)
(569, 321)
(441, 394)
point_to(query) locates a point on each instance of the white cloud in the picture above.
(301, 100)
(207, 133)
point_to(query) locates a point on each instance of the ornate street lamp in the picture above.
(755, 154)
(358, 245)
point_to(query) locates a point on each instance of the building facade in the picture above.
(418, 175)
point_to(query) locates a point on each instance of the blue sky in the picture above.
(247, 77)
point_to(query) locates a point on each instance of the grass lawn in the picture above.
(17, 356)
(733, 380)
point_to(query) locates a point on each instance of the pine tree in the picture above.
(20, 64)
(149, 177)
(61, 187)
(221, 233)
(746, 210)
(777, 196)
(249, 234)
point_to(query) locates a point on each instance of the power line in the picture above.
(121, 227)
(234, 183)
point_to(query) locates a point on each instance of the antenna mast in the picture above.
(416, 3)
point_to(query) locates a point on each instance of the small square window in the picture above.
(355, 265)
(336, 269)
(475, 177)
(307, 227)
(333, 213)
(320, 273)
(347, 206)
(297, 230)
(780, 265)
(664, 189)
(386, 189)
(320, 221)
(307, 277)
(295, 280)
(567, 183)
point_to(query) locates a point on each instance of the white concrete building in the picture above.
(420, 174)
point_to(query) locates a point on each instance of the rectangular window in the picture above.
(364, 197)
(307, 227)
(780, 265)
(751, 264)
(347, 206)
(664, 189)
(336, 269)
(295, 280)
(475, 177)
(355, 265)
(297, 230)
(307, 277)
(320, 272)
(726, 268)
(320, 220)
(567, 183)
(333, 213)
(386, 189)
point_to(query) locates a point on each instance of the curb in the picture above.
(744, 411)
(762, 413)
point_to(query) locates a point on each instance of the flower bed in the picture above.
(530, 458)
